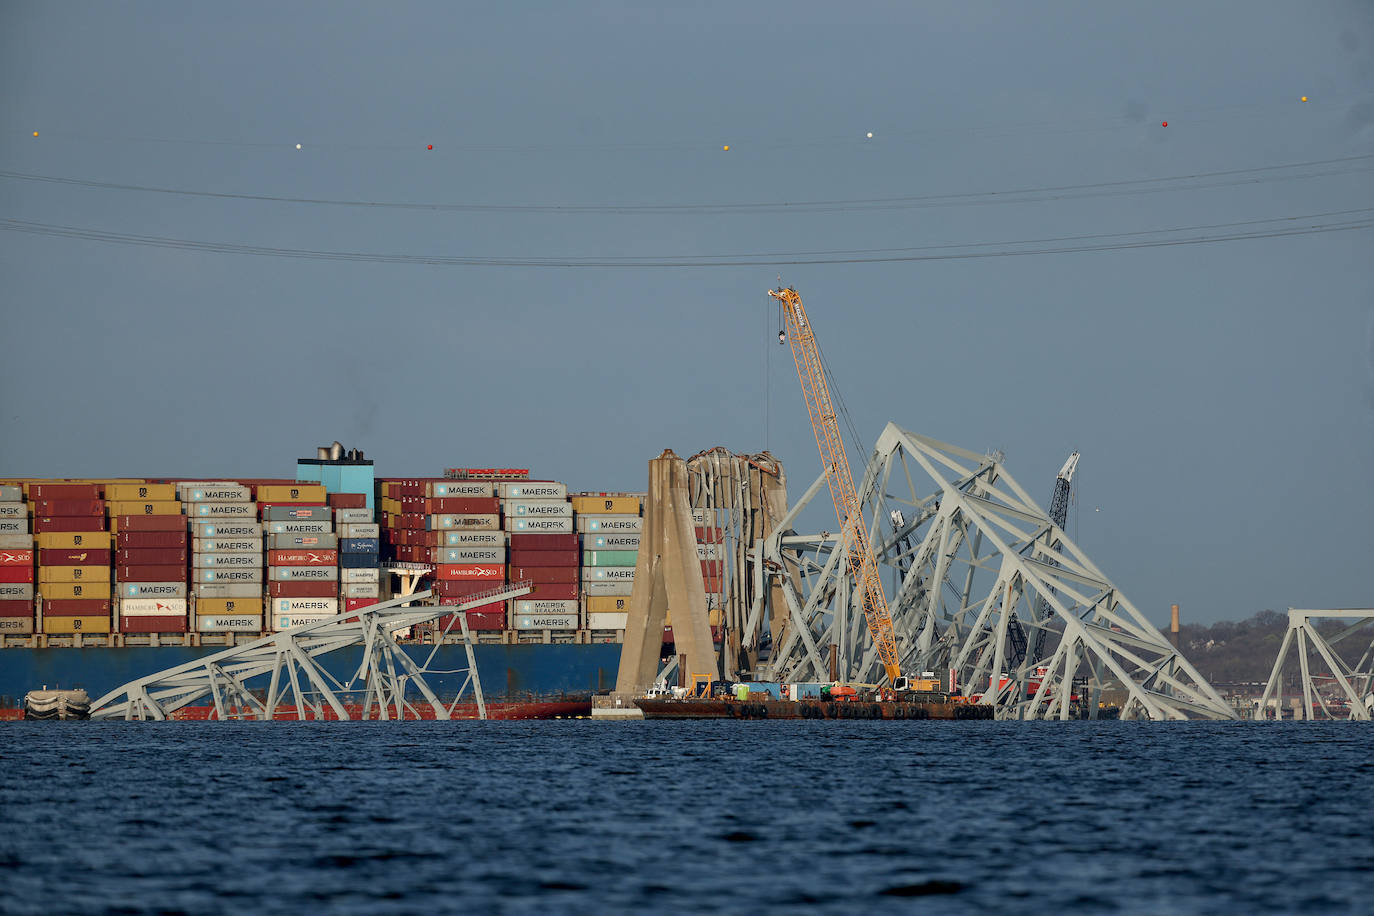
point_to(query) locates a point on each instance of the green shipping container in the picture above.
(610, 557)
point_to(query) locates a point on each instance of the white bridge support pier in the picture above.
(984, 585)
(1355, 683)
(285, 671)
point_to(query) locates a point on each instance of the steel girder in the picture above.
(258, 679)
(1354, 682)
(973, 556)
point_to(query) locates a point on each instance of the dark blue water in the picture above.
(731, 817)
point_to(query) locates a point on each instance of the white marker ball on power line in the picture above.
(298, 146)
(870, 135)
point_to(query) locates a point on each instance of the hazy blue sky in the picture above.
(1222, 395)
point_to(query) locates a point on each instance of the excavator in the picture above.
(863, 566)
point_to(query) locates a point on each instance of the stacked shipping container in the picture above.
(16, 564)
(359, 546)
(302, 555)
(610, 527)
(543, 550)
(74, 556)
(150, 555)
(225, 536)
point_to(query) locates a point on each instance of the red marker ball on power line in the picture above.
(431, 146)
(1163, 123)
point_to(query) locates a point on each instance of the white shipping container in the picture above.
(611, 542)
(303, 573)
(610, 524)
(229, 576)
(152, 607)
(472, 555)
(152, 590)
(540, 525)
(16, 591)
(526, 489)
(16, 541)
(226, 560)
(360, 590)
(224, 510)
(360, 575)
(474, 538)
(13, 510)
(214, 493)
(710, 551)
(226, 545)
(606, 620)
(229, 623)
(608, 573)
(320, 607)
(545, 606)
(14, 525)
(463, 522)
(541, 508)
(10, 493)
(227, 529)
(704, 518)
(287, 621)
(360, 530)
(306, 527)
(16, 626)
(467, 488)
(353, 516)
(227, 590)
(618, 589)
(544, 621)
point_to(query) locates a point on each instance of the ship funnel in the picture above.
(322, 453)
(336, 451)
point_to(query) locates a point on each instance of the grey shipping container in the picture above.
(227, 589)
(224, 510)
(13, 510)
(354, 530)
(12, 541)
(152, 589)
(353, 516)
(16, 591)
(227, 545)
(11, 494)
(223, 560)
(326, 527)
(303, 573)
(298, 513)
(292, 541)
(228, 576)
(227, 529)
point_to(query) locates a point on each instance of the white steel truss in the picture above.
(1353, 696)
(983, 583)
(280, 675)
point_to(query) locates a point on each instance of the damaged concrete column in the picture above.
(667, 575)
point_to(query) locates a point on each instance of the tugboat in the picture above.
(57, 704)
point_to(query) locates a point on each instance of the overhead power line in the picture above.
(1279, 227)
(1293, 171)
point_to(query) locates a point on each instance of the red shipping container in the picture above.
(164, 573)
(544, 573)
(710, 535)
(19, 556)
(297, 557)
(46, 523)
(76, 607)
(543, 542)
(409, 520)
(303, 589)
(552, 591)
(458, 505)
(69, 507)
(523, 557)
(152, 624)
(353, 604)
(152, 556)
(143, 539)
(151, 523)
(73, 556)
(16, 607)
(39, 491)
(486, 572)
(16, 573)
(713, 569)
(461, 588)
(714, 585)
(477, 620)
(347, 500)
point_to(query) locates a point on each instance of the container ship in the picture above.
(103, 581)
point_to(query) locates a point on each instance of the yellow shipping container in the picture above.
(598, 604)
(84, 624)
(118, 507)
(140, 492)
(57, 591)
(73, 540)
(215, 606)
(606, 505)
(291, 493)
(713, 615)
(74, 574)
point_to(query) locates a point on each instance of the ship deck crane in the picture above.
(863, 566)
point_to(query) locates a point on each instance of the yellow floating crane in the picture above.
(863, 566)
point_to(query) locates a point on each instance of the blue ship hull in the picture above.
(513, 672)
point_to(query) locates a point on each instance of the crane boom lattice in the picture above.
(863, 568)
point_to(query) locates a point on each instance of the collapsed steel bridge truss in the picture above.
(1352, 696)
(280, 676)
(985, 584)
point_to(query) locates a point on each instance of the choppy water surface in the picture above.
(734, 817)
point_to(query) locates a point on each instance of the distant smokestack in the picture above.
(1173, 625)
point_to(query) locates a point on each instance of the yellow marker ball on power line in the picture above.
(727, 147)
(1304, 98)
(35, 133)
